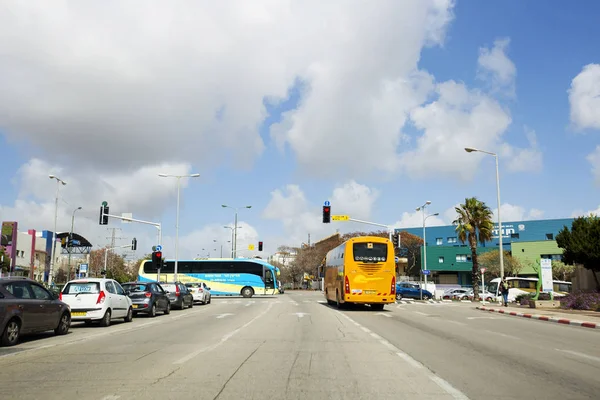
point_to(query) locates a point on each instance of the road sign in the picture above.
(158, 247)
(426, 272)
(83, 268)
(482, 270)
(250, 247)
(327, 203)
(340, 217)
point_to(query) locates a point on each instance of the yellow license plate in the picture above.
(370, 291)
(134, 305)
(78, 314)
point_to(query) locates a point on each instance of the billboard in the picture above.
(8, 240)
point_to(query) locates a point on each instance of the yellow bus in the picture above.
(362, 270)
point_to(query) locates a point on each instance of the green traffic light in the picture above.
(104, 204)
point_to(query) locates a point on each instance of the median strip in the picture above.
(563, 321)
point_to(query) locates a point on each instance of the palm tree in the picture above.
(474, 224)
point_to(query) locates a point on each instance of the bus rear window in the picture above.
(370, 252)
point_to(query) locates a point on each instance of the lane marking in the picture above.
(300, 314)
(384, 314)
(220, 316)
(586, 356)
(225, 338)
(442, 383)
(111, 397)
(503, 335)
(421, 313)
(481, 318)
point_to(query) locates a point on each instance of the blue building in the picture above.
(449, 260)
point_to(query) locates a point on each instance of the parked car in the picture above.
(487, 296)
(27, 307)
(147, 298)
(200, 292)
(97, 299)
(455, 294)
(179, 295)
(411, 291)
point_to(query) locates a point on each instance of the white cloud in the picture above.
(459, 118)
(415, 219)
(212, 238)
(496, 68)
(300, 217)
(584, 98)
(594, 159)
(512, 212)
(581, 213)
(529, 159)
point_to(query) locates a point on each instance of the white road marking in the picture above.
(586, 356)
(220, 316)
(422, 313)
(384, 314)
(443, 384)
(223, 339)
(300, 314)
(482, 318)
(111, 397)
(503, 335)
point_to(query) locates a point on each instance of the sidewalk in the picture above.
(585, 319)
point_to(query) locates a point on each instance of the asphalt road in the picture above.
(293, 346)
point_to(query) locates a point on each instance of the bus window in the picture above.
(370, 252)
(492, 288)
(269, 281)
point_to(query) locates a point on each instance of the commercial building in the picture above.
(449, 260)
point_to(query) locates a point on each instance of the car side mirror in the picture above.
(166, 292)
(127, 292)
(208, 288)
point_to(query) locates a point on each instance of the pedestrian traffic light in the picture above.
(134, 244)
(104, 214)
(260, 244)
(326, 214)
(396, 239)
(157, 260)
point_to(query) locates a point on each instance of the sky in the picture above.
(282, 105)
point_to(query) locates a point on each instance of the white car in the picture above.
(200, 292)
(97, 299)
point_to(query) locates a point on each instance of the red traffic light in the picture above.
(326, 209)
(159, 254)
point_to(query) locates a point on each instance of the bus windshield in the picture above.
(367, 252)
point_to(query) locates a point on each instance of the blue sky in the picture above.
(290, 105)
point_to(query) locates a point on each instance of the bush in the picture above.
(523, 299)
(581, 301)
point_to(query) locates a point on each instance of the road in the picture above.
(293, 346)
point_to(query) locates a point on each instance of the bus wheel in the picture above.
(247, 291)
(337, 301)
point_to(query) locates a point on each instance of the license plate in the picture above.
(370, 291)
(78, 314)
(134, 305)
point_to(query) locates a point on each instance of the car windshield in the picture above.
(82, 287)
(132, 287)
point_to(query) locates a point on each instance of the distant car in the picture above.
(147, 298)
(411, 291)
(27, 307)
(200, 292)
(451, 294)
(97, 299)
(179, 295)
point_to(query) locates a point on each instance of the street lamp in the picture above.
(177, 217)
(231, 241)
(53, 250)
(235, 228)
(471, 150)
(424, 264)
(70, 244)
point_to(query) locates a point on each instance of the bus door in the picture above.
(269, 280)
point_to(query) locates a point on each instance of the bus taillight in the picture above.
(393, 289)
(347, 285)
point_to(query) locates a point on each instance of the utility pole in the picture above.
(309, 240)
(113, 239)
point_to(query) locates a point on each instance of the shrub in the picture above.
(581, 301)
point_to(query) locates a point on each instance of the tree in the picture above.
(581, 244)
(116, 268)
(61, 276)
(5, 264)
(410, 246)
(474, 224)
(562, 271)
(490, 260)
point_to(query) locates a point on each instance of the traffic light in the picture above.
(157, 259)
(134, 244)
(260, 246)
(104, 214)
(326, 214)
(396, 239)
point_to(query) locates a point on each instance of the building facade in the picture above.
(449, 260)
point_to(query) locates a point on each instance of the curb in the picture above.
(563, 321)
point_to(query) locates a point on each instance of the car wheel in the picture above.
(208, 302)
(168, 309)
(105, 321)
(191, 303)
(129, 316)
(63, 325)
(152, 312)
(11, 333)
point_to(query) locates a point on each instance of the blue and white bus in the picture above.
(225, 276)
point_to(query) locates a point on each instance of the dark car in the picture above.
(147, 298)
(179, 294)
(27, 307)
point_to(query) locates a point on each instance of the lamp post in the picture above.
(177, 217)
(424, 264)
(70, 244)
(235, 227)
(471, 150)
(53, 249)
